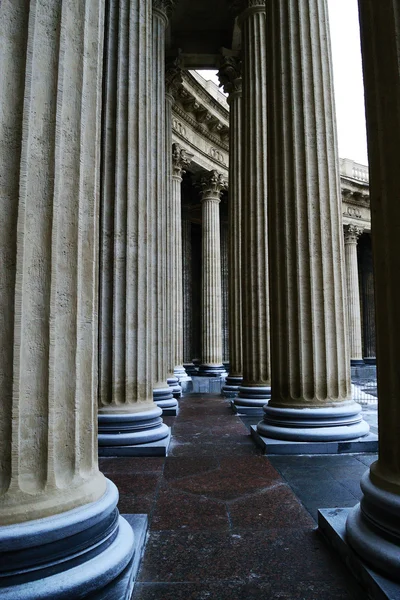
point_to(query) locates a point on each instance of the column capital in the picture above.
(230, 75)
(173, 75)
(213, 184)
(352, 233)
(245, 8)
(163, 8)
(180, 159)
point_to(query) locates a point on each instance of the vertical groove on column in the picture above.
(256, 352)
(368, 301)
(308, 318)
(127, 213)
(54, 436)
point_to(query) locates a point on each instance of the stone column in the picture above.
(52, 495)
(187, 291)
(373, 527)
(213, 186)
(230, 78)
(351, 236)
(162, 175)
(368, 303)
(255, 389)
(128, 417)
(180, 160)
(224, 285)
(311, 391)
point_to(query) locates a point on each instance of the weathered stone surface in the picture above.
(351, 235)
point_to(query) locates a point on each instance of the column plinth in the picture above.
(165, 383)
(310, 376)
(52, 495)
(373, 526)
(351, 236)
(230, 78)
(128, 417)
(213, 186)
(256, 387)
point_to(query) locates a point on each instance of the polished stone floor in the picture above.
(229, 523)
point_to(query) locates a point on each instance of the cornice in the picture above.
(206, 133)
(198, 151)
(202, 92)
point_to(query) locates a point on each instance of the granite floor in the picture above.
(226, 522)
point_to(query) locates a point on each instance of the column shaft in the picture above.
(127, 240)
(368, 303)
(49, 122)
(187, 288)
(255, 391)
(230, 78)
(225, 292)
(351, 235)
(374, 531)
(310, 366)
(213, 185)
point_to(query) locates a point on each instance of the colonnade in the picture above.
(73, 173)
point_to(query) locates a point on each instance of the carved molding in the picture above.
(352, 233)
(204, 131)
(213, 184)
(164, 7)
(181, 158)
(229, 74)
(173, 76)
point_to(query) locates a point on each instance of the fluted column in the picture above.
(224, 285)
(211, 364)
(368, 304)
(127, 414)
(180, 160)
(351, 236)
(162, 342)
(230, 78)
(255, 389)
(373, 528)
(311, 392)
(51, 491)
(187, 291)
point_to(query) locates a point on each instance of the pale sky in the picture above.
(349, 90)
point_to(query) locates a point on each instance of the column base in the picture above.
(190, 369)
(87, 552)
(212, 371)
(373, 529)
(325, 424)
(332, 525)
(231, 387)
(165, 400)
(356, 362)
(251, 400)
(173, 383)
(121, 434)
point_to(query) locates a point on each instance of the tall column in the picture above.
(213, 186)
(180, 160)
(373, 527)
(255, 389)
(162, 342)
(128, 416)
(311, 391)
(351, 236)
(230, 78)
(224, 285)
(187, 291)
(368, 303)
(52, 495)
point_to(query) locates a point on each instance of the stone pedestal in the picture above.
(230, 78)
(255, 390)
(126, 407)
(166, 385)
(373, 527)
(351, 236)
(60, 535)
(211, 365)
(311, 391)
